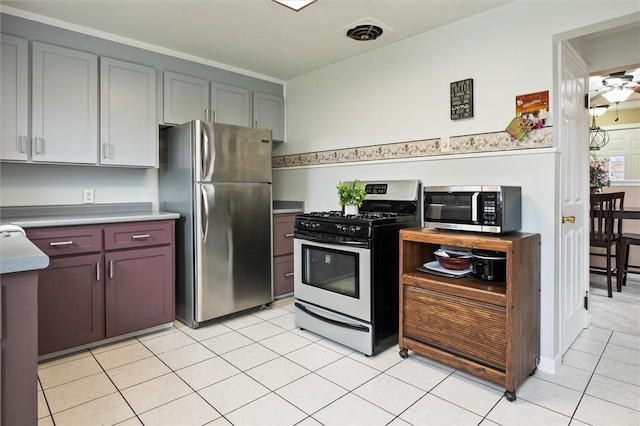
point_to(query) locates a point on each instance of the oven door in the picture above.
(334, 276)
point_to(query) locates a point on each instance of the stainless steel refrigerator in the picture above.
(218, 177)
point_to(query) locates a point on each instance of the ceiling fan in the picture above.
(617, 87)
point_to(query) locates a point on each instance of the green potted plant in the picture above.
(351, 195)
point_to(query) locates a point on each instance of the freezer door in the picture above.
(233, 248)
(228, 153)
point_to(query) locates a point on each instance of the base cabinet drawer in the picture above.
(283, 275)
(283, 233)
(470, 328)
(67, 241)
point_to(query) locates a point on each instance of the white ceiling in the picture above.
(258, 36)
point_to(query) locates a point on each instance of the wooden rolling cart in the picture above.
(491, 330)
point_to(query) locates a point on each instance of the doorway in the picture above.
(586, 41)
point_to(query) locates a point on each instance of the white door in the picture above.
(573, 132)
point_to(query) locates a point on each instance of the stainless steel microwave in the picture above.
(489, 209)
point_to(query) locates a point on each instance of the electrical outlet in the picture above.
(444, 144)
(87, 196)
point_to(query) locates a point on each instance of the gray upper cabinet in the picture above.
(230, 104)
(64, 105)
(268, 113)
(14, 127)
(128, 126)
(186, 98)
(189, 98)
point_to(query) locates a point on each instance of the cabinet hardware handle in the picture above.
(106, 150)
(213, 116)
(98, 271)
(111, 269)
(206, 114)
(37, 145)
(570, 219)
(21, 144)
(288, 235)
(140, 237)
(257, 127)
(289, 274)
(61, 243)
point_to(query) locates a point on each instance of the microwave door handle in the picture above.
(474, 207)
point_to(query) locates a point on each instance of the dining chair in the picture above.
(627, 240)
(605, 234)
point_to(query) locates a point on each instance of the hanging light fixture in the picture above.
(617, 94)
(296, 5)
(597, 136)
(598, 110)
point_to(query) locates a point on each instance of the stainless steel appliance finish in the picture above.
(346, 267)
(489, 209)
(218, 177)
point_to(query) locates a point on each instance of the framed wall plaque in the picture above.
(462, 99)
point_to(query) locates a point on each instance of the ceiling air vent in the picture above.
(365, 32)
(365, 29)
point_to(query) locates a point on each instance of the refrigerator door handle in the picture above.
(207, 159)
(205, 214)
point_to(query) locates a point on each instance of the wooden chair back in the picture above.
(605, 229)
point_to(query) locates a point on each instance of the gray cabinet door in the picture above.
(268, 113)
(128, 127)
(230, 104)
(14, 130)
(64, 105)
(186, 98)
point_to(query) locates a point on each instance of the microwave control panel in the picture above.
(489, 208)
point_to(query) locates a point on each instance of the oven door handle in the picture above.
(359, 244)
(356, 327)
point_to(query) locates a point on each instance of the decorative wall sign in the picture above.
(462, 99)
(532, 102)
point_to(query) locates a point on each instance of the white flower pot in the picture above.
(350, 209)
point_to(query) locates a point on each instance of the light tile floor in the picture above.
(259, 369)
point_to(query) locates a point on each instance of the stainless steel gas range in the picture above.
(346, 267)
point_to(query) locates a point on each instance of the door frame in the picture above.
(557, 40)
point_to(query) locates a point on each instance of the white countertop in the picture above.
(18, 254)
(89, 218)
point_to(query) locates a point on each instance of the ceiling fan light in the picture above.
(618, 94)
(598, 110)
(296, 5)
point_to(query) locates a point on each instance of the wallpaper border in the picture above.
(482, 142)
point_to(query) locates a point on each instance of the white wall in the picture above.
(401, 93)
(39, 184)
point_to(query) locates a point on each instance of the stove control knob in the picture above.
(352, 229)
(344, 228)
(314, 225)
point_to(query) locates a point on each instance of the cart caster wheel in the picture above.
(404, 353)
(511, 396)
(533, 372)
